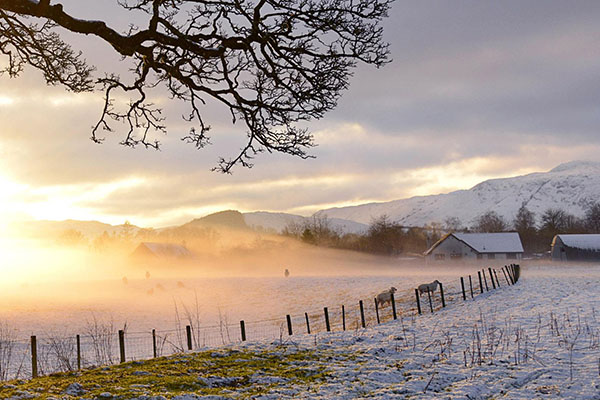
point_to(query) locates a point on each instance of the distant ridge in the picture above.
(570, 186)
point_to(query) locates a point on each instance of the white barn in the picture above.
(580, 247)
(476, 246)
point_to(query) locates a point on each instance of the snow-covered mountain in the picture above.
(278, 221)
(571, 186)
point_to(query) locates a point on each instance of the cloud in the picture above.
(477, 89)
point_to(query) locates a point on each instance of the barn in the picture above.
(581, 247)
(154, 251)
(476, 246)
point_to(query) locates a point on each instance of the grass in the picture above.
(247, 373)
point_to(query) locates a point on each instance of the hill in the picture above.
(571, 186)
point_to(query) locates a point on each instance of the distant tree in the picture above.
(293, 229)
(452, 224)
(308, 236)
(524, 224)
(592, 218)
(102, 242)
(72, 237)
(415, 240)
(490, 222)
(554, 221)
(384, 236)
(127, 230)
(270, 63)
(524, 220)
(318, 230)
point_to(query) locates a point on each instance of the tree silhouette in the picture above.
(272, 63)
(490, 222)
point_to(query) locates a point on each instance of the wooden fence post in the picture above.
(327, 326)
(243, 330)
(343, 318)
(34, 364)
(188, 332)
(462, 285)
(505, 276)
(430, 301)
(289, 324)
(517, 272)
(362, 314)
(480, 282)
(154, 348)
(487, 288)
(122, 345)
(492, 277)
(307, 323)
(510, 275)
(377, 310)
(418, 301)
(393, 306)
(471, 286)
(497, 281)
(78, 343)
(442, 294)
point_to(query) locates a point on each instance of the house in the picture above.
(476, 246)
(155, 251)
(576, 248)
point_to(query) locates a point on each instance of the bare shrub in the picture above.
(101, 335)
(7, 348)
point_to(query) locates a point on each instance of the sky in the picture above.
(476, 90)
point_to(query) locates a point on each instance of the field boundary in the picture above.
(104, 344)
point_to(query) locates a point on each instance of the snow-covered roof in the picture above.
(501, 242)
(166, 249)
(584, 242)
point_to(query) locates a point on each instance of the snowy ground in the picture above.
(537, 339)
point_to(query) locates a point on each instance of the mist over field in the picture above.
(57, 286)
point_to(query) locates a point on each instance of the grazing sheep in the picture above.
(385, 296)
(432, 287)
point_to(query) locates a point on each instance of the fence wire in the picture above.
(101, 344)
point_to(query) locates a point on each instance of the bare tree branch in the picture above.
(272, 63)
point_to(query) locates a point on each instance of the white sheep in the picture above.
(385, 296)
(432, 287)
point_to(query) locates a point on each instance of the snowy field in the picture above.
(537, 339)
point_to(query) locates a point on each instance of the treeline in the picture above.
(384, 237)
(129, 236)
(387, 237)
(537, 231)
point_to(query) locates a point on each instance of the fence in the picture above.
(105, 345)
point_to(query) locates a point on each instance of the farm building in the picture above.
(150, 250)
(576, 248)
(476, 246)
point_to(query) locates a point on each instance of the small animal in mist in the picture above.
(286, 273)
(431, 287)
(386, 296)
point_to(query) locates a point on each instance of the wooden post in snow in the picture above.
(362, 314)
(289, 324)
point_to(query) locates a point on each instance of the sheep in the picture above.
(432, 287)
(385, 296)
